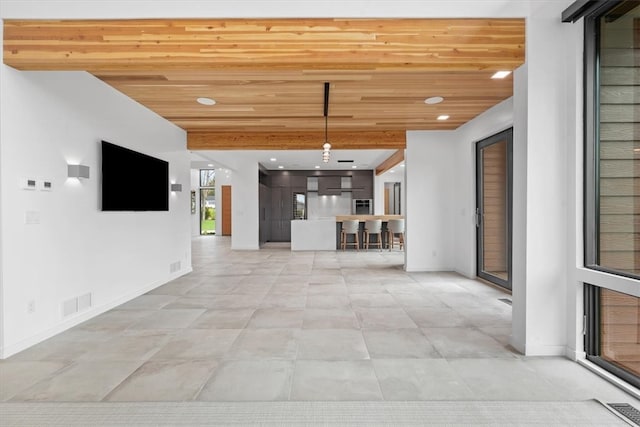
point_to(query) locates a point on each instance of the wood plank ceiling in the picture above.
(267, 75)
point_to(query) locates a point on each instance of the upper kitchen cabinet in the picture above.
(362, 185)
(329, 186)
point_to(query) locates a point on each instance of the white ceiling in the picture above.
(290, 159)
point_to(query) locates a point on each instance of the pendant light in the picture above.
(326, 147)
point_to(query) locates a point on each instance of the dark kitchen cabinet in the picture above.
(281, 214)
(329, 186)
(362, 184)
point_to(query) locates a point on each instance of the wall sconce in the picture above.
(176, 187)
(77, 171)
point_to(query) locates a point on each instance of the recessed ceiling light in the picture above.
(280, 167)
(206, 101)
(317, 167)
(392, 171)
(273, 159)
(443, 117)
(501, 74)
(210, 165)
(434, 100)
(354, 167)
(402, 165)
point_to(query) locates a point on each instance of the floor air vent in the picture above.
(627, 411)
(505, 300)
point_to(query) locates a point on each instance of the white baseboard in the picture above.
(419, 269)
(465, 274)
(574, 354)
(545, 350)
(74, 320)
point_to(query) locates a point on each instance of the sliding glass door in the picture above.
(493, 211)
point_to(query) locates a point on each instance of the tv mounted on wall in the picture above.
(133, 181)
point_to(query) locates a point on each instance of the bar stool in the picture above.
(395, 226)
(373, 226)
(350, 227)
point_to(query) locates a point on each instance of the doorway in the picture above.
(207, 202)
(226, 210)
(392, 198)
(494, 180)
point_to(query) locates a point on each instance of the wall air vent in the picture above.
(345, 161)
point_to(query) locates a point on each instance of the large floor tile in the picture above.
(168, 319)
(148, 302)
(129, 346)
(465, 343)
(326, 289)
(115, 320)
(82, 381)
(18, 376)
(383, 318)
(380, 299)
(420, 379)
(69, 345)
(249, 380)
(164, 380)
(332, 344)
(198, 344)
(335, 380)
(276, 318)
(223, 319)
(330, 318)
(284, 301)
(437, 317)
(328, 301)
(265, 344)
(505, 379)
(398, 344)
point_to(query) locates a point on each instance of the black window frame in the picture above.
(591, 178)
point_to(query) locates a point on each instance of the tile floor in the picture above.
(276, 325)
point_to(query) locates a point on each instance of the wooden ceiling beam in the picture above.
(265, 44)
(393, 160)
(344, 140)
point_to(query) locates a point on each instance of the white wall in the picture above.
(430, 167)
(546, 111)
(50, 119)
(245, 212)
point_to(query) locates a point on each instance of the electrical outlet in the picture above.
(31, 306)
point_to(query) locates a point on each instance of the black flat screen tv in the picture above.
(133, 181)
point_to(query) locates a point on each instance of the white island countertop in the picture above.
(313, 234)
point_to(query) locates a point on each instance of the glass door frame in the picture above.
(505, 135)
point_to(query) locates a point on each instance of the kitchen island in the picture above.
(362, 218)
(313, 234)
(323, 234)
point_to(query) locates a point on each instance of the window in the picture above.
(612, 233)
(612, 185)
(613, 332)
(207, 201)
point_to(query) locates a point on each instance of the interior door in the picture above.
(226, 210)
(494, 162)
